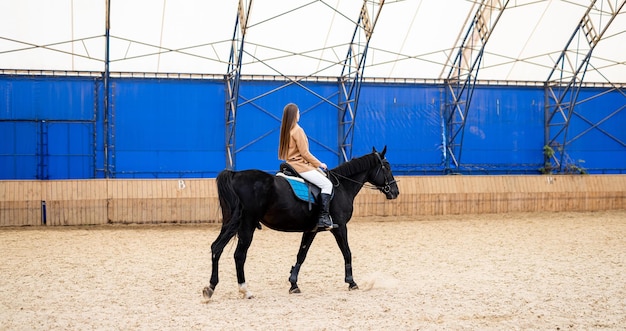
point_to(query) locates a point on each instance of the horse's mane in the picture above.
(357, 165)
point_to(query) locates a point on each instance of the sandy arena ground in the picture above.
(548, 271)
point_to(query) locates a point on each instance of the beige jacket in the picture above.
(298, 155)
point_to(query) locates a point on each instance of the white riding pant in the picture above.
(319, 180)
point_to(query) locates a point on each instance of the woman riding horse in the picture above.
(250, 197)
(294, 148)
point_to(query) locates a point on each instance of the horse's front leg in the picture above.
(245, 234)
(305, 244)
(341, 236)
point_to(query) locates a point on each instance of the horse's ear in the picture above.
(382, 154)
(374, 149)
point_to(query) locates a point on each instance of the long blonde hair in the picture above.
(290, 117)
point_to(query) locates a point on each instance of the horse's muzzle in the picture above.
(392, 194)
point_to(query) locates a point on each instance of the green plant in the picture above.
(547, 168)
(569, 166)
(575, 168)
(548, 152)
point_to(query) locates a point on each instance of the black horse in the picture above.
(251, 197)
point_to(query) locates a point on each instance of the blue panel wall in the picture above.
(19, 156)
(405, 118)
(258, 121)
(597, 132)
(47, 127)
(504, 130)
(47, 98)
(54, 128)
(70, 151)
(167, 128)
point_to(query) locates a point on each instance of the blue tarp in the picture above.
(55, 128)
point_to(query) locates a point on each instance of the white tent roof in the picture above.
(412, 38)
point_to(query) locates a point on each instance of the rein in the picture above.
(386, 188)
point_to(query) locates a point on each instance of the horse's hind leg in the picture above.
(305, 244)
(245, 234)
(341, 236)
(217, 247)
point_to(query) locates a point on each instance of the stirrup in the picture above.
(325, 222)
(326, 228)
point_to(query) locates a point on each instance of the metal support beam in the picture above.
(566, 78)
(42, 150)
(233, 77)
(109, 145)
(352, 75)
(462, 78)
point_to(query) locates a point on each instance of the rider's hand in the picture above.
(323, 166)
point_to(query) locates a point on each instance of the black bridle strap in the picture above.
(387, 186)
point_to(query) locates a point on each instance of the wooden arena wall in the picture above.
(114, 201)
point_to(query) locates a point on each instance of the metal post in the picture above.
(107, 136)
(233, 77)
(462, 78)
(351, 78)
(562, 94)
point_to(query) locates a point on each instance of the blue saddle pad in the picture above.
(300, 189)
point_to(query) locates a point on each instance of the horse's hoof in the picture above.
(243, 289)
(207, 292)
(294, 290)
(353, 287)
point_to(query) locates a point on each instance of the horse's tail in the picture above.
(229, 202)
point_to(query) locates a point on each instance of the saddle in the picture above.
(303, 189)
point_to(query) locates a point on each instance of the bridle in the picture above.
(385, 188)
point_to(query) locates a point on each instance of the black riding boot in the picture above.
(324, 220)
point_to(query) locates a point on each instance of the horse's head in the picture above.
(382, 177)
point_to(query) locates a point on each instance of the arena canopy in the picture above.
(411, 39)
